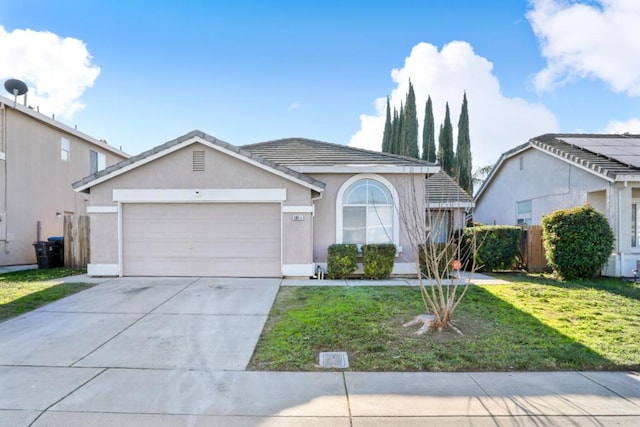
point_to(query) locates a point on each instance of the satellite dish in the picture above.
(16, 87)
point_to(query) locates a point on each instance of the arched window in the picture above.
(367, 213)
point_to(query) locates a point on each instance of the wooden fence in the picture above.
(76, 241)
(532, 249)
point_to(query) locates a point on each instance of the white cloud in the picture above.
(497, 123)
(618, 126)
(57, 70)
(594, 39)
(294, 106)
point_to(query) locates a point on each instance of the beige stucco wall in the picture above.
(410, 189)
(103, 241)
(175, 171)
(38, 182)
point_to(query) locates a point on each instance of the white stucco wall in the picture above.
(550, 184)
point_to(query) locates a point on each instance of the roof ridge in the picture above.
(206, 137)
(307, 141)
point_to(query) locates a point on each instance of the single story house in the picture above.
(198, 206)
(559, 171)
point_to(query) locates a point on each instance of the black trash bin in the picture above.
(57, 251)
(44, 254)
(50, 254)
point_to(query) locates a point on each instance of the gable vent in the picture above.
(198, 161)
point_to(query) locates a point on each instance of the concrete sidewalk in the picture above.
(475, 279)
(160, 397)
(174, 351)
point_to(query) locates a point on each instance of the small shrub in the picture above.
(342, 260)
(378, 260)
(497, 246)
(577, 242)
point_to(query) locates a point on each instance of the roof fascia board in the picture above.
(365, 169)
(61, 126)
(186, 143)
(627, 178)
(135, 165)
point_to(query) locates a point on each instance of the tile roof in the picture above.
(196, 133)
(302, 151)
(441, 189)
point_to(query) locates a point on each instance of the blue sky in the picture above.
(254, 71)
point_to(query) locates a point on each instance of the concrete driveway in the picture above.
(173, 352)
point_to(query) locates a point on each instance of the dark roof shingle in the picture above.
(440, 188)
(308, 152)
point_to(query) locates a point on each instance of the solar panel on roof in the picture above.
(623, 150)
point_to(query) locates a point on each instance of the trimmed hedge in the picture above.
(497, 246)
(577, 242)
(378, 260)
(342, 260)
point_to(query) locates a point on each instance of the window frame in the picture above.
(65, 149)
(100, 161)
(524, 218)
(340, 205)
(635, 233)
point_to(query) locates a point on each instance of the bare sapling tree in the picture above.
(433, 219)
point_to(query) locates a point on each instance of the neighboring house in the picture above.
(39, 159)
(198, 206)
(558, 171)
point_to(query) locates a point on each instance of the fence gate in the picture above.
(533, 250)
(76, 241)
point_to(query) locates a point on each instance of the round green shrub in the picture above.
(577, 242)
(342, 260)
(378, 260)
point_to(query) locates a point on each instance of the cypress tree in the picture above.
(386, 136)
(463, 149)
(428, 134)
(409, 138)
(395, 124)
(445, 139)
(397, 132)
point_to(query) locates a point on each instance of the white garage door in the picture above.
(238, 240)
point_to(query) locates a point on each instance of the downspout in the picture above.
(3, 135)
(619, 221)
(313, 214)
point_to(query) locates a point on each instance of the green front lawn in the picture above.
(531, 324)
(23, 291)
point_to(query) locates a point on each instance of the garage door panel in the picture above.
(202, 239)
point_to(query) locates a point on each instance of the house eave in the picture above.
(627, 178)
(192, 140)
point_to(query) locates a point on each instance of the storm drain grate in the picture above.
(334, 359)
